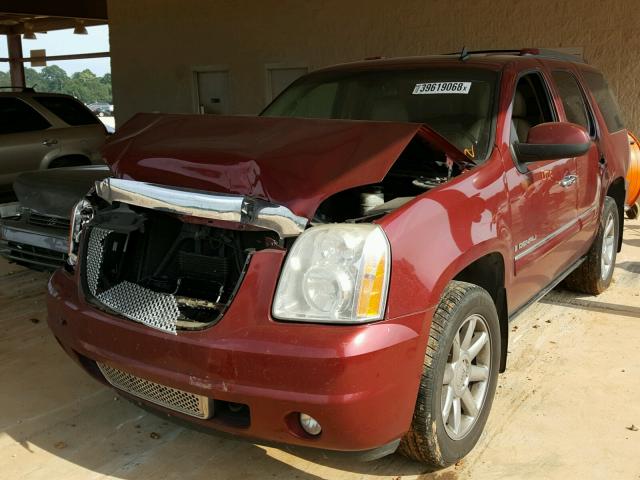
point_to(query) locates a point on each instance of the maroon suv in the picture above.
(340, 271)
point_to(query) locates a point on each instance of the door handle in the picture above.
(49, 142)
(568, 180)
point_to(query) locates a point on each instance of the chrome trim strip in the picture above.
(554, 234)
(587, 212)
(202, 204)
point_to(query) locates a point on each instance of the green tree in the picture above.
(53, 78)
(5, 79)
(84, 85)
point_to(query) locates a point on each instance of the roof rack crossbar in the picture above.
(536, 52)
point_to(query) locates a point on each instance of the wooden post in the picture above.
(16, 67)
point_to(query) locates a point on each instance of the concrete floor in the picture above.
(564, 409)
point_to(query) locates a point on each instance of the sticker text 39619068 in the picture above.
(441, 88)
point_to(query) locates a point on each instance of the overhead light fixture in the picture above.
(80, 29)
(29, 34)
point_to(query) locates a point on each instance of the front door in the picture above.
(542, 198)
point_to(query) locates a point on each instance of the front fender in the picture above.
(438, 234)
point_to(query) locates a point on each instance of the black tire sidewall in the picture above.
(609, 207)
(477, 301)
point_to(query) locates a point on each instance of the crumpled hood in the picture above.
(289, 161)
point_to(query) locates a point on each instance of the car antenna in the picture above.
(464, 54)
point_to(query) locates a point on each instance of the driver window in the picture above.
(531, 107)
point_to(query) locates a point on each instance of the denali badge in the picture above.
(524, 243)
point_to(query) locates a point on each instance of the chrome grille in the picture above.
(95, 250)
(157, 310)
(184, 402)
(48, 221)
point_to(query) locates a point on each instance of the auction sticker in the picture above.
(441, 88)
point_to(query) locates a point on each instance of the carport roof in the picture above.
(45, 15)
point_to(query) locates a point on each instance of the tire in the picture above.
(632, 211)
(431, 439)
(594, 275)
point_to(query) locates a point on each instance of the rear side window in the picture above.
(572, 99)
(68, 109)
(17, 117)
(606, 101)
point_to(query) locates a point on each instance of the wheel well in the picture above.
(488, 272)
(617, 191)
(69, 161)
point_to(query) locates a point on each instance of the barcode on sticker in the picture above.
(436, 88)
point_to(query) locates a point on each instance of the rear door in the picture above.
(542, 196)
(576, 110)
(23, 139)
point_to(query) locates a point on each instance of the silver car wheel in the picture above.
(466, 377)
(608, 240)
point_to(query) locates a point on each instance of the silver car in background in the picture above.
(45, 130)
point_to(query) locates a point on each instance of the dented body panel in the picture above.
(293, 162)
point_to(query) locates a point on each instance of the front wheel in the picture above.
(632, 211)
(459, 377)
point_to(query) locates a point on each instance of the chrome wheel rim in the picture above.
(608, 247)
(466, 377)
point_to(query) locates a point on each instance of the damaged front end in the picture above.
(143, 261)
(173, 257)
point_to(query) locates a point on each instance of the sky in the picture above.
(64, 42)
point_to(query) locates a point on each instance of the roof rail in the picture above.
(536, 52)
(18, 89)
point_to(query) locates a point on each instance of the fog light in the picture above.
(310, 424)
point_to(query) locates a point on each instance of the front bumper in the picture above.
(359, 382)
(34, 245)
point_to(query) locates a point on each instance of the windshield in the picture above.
(455, 102)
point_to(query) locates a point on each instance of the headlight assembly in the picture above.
(81, 214)
(336, 273)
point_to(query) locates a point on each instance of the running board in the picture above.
(547, 289)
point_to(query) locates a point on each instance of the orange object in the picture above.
(633, 175)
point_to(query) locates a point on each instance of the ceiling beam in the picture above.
(92, 9)
(46, 25)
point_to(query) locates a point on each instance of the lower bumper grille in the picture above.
(184, 402)
(30, 255)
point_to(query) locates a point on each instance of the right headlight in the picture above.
(337, 273)
(81, 214)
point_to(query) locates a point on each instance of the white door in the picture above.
(279, 78)
(212, 92)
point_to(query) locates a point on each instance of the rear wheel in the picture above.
(632, 211)
(459, 377)
(595, 274)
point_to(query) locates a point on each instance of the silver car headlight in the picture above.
(81, 214)
(337, 273)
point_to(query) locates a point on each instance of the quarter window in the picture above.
(575, 108)
(17, 117)
(606, 101)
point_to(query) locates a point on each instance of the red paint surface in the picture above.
(292, 162)
(360, 382)
(341, 376)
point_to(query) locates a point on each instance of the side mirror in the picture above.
(553, 141)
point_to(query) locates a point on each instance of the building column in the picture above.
(16, 67)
